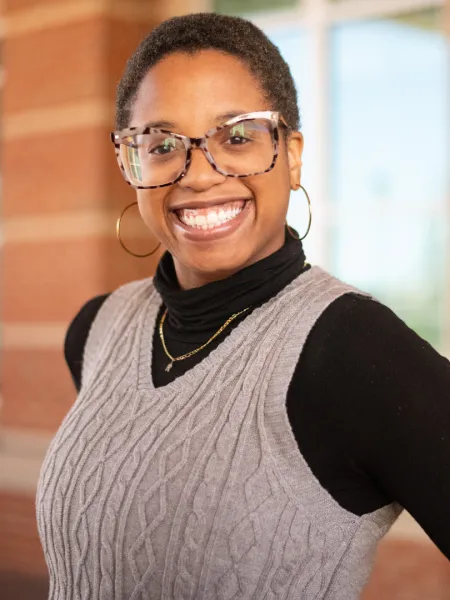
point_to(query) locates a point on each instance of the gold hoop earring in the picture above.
(297, 237)
(118, 223)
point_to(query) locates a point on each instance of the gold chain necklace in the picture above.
(188, 354)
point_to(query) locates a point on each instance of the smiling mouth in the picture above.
(211, 217)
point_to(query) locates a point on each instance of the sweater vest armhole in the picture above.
(287, 457)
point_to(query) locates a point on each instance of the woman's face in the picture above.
(190, 94)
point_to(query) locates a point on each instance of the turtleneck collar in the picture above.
(206, 307)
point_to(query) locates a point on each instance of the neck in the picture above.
(205, 307)
(189, 279)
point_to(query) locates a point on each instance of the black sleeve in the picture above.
(76, 336)
(385, 393)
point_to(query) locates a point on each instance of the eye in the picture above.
(237, 140)
(167, 146)
(237, 135)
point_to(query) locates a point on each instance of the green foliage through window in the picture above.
(240, 7)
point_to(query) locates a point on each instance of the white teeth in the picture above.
(200, 220)
(210, 219)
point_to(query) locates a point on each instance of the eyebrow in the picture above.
(219, 119)
(229, 115)
(161, 124)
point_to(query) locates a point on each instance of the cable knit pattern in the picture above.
(197, 490)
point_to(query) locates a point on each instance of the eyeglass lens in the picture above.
(157, 158)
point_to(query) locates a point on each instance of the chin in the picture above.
(219, 264)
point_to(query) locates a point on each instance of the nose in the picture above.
(200, 175)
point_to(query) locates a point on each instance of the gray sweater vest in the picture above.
(197, 490)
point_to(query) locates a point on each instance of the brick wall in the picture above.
(62, 190)
(22, 550)
(61, 194)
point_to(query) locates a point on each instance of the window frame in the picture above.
(317, 18)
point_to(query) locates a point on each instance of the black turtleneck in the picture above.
(195, 315)
(369, 401)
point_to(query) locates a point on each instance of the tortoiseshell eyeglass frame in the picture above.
(275, 118)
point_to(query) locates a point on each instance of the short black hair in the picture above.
(211, 31)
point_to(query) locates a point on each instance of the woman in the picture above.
(247, 426)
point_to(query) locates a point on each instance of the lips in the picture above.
(208, 221)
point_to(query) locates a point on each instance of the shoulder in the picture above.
(362, 359)
(368, 389)
(360, 326)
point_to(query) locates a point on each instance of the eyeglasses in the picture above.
(245, 145)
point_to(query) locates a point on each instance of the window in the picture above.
(372, 86)
(249, 6)
(388, 162)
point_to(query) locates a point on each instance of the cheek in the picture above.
(151, 203)
(272, 190)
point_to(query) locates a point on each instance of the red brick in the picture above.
(56, 172)
(55, 65)
(90, 61)
(20, 548)
(37, 388)
(12, 5)
(49, 281)
(61, 172)
(123, 39)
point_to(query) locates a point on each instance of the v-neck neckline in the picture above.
(148, 324)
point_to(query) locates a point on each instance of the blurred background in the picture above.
(373, 85)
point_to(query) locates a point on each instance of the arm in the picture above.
(76, 336)
(385, 393)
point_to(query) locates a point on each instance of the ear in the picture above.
(295, 151)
